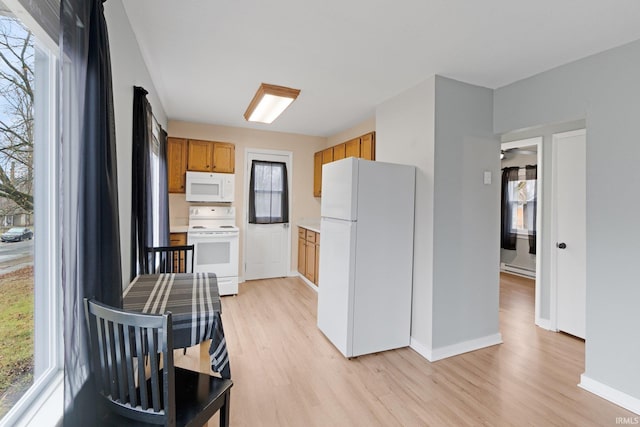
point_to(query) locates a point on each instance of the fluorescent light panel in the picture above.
(269, 102)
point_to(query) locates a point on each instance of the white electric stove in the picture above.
(213, 233)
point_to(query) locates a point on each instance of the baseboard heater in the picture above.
(522, 271)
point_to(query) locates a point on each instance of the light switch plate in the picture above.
(487, 177)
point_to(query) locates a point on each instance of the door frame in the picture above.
(538, 143)
(245, 195)
(553, 267)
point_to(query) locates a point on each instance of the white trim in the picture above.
(609, 393)
(47, 408)
(421, 349)
(433, 355)
(545, 324)
(307, 282)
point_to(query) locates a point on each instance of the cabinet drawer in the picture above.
(177, 239)
(311, 236)
(302, 233)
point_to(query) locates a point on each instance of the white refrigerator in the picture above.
(366, 255)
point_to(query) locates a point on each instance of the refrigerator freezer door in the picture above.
(339, 189)
(335, 290)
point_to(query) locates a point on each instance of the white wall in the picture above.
(405, 132)
(605, 90)
(128, 70)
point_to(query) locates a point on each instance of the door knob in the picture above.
(561, 245)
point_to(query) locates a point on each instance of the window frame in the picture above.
(42, 403)
(522, 176)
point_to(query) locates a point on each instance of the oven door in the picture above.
(215, 252)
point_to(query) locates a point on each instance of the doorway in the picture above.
(267, 246)
(522, 211)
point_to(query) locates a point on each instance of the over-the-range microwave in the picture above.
(210, 187)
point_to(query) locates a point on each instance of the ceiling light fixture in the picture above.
(269, 102)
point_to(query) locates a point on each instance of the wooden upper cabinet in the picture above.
(200, 156)
(224, 157)
(339, 152)
(327, 155)
(211, 156)
(176, 164)
(368, 146)
(352, 148)
(317, 174)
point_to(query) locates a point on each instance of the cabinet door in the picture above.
(200, 157)
(177, 164)
(310, 262)
(368, 146)
(339, 152)
(177, 239)
(317, 174)
(352, 148)
(327, 155)
(302, 255)
(224, 157)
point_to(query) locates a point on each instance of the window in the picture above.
(268, 198)
(155, 181)
(30, 359)
(522, 196)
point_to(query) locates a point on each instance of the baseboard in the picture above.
(240, 279)
(433, 355)
(545, 324)
(421, 349)
(611, 394)
(308, 282)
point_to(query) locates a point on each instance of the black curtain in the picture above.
(141, 203)
(90, 224)
(268, 193)
(532, 174)
(164, 189)
(507, 234)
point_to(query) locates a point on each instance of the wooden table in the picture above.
(194, 302)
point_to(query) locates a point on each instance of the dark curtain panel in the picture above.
(507, 234)
(141, 204)
(90, 225)
(164, 190)
(268, 193)
(532, 174)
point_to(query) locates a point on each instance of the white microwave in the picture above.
(210, 187)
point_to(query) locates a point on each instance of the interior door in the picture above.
(267, 246)
(570, 247)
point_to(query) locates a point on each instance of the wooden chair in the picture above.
(168, 259)
(169, 396)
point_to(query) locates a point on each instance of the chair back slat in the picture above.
(116, 338)
(169, 259)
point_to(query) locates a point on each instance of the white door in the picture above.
(267, 247)
(570, 231)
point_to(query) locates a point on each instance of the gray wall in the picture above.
(466, 215)
(605, 90)
(128, 70)
(405, 134)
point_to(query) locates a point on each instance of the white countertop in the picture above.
(312, 224)
(178, 228)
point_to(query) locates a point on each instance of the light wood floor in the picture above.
(286, 373)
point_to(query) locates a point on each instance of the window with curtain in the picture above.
(519, 202)
(268, 193)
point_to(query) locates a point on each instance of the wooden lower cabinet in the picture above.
(177, 239)
(308, 254)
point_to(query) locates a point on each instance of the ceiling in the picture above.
(208, 57)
